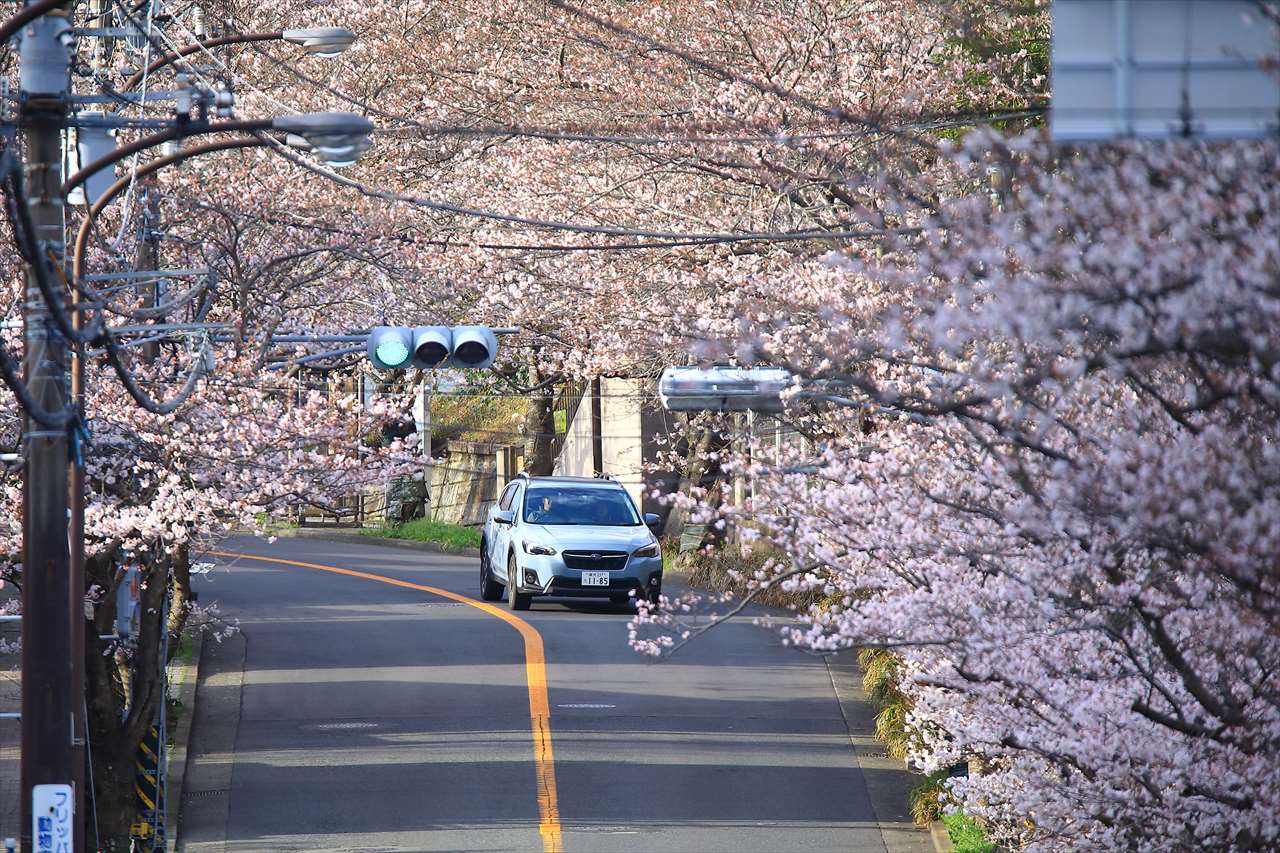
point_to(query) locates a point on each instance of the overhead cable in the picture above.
(689, 238)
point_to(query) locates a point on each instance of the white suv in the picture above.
(570, 536)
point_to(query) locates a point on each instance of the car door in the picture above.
(504, 533)
(492, 527)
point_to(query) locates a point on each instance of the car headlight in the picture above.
(650, 550)
(535, 548)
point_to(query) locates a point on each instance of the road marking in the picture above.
(535, 673)
(342, 726)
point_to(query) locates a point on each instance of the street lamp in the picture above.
(337, 138)
(336, 157)
(723, 389)
(316, 41)
(333, 135)
(325, 42)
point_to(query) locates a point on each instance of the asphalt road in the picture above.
(353, 715)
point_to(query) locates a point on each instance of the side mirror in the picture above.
(504, 516)
(653, 521)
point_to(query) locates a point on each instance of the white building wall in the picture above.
(622, 446)
(575, 457)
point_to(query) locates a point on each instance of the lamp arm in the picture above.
(179, 131)
(196, 47)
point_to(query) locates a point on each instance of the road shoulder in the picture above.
(185, 677)
(887, 779)
(215, 721)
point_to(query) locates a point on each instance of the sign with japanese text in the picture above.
(52, 810)
(1155, 69)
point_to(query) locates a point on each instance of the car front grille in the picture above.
(595, 560)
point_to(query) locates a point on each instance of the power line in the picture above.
(655, 239)
(98, 333)
(719, 72)
(671, 239)
(631, 135)
(466, 242)
(687, 238)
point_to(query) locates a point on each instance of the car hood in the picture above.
(584, 537)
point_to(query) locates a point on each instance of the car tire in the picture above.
(653, 595)
(490, 589)
(516, 600)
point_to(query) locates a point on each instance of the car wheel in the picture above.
(490, 589)
(516, 600)
(653, 595)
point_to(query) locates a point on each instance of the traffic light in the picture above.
(390, 347)
(426, 347)
(723, 389)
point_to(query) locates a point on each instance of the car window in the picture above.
(504, 502)
(569, 505)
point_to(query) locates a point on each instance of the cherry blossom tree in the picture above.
(1065, 519)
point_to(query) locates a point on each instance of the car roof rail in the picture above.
(605, 475)
(523, 475)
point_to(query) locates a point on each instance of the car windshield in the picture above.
(567, 505)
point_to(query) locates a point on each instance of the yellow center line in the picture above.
(535, 670)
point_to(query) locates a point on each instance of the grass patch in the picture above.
(966, 834)
(451, 537)
(273, 524)
(185, 652)
(184, 655)
(670, 549)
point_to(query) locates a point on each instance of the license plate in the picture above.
(595, 578)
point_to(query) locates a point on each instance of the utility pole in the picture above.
(52, 598)
(422, 418)
(149, 256)
(597, 425)
(422, 415)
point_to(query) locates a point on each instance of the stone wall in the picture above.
(465, 485)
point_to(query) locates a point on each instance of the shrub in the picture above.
(714, 572)
(929, 798)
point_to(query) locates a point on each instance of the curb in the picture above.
(941, 838)
(358, 539)
(187, 679)
(886, 779)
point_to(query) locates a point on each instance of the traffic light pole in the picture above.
(52, 597)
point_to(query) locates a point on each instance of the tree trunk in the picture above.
(712, 479)
(703, 472)
(539, 432)
(114, 797)
(690, 475)
(180, 600)
(123, 694)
